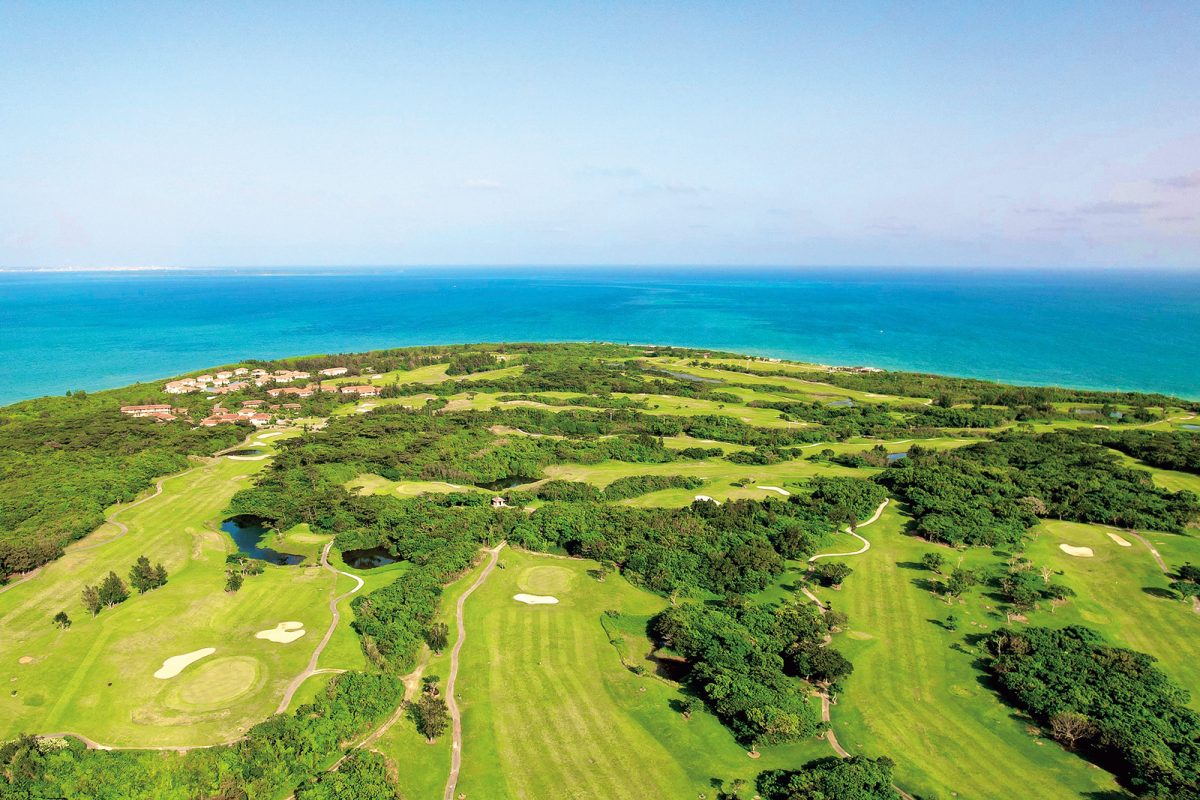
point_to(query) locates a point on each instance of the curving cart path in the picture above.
(1161, 564)
(311, 669)
(853, 531)
(451, 701)
(830, 736)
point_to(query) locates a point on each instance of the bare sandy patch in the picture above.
(175, 664)
(1119, 540)
(25, 660)
(283, 633)
(1078, 552)
(271, 435)
(249, 458)
(777, 490)
(706, 499)
(535, 599)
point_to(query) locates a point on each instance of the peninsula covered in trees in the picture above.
(666, 560)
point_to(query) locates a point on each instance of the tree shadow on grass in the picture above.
(1159, 592)
(926, 584)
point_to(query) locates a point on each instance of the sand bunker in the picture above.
(1119, 540)
(535, 599)
(705, 498)
(271, 434)
(175, 664)
(249, 458)
(1079, 552)
(283, 633)
(25, 660)
(783, 492)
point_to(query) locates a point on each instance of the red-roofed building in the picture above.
(361, 391)
(145, 411)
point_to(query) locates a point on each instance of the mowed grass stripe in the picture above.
(571, 733)
(906, 692)
(526, 722)
(521, 725)
(596, 746)
(903, 699)
(559, 733)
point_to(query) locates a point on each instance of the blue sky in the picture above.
(1023, 134)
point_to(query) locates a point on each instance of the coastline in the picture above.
(1127, 331)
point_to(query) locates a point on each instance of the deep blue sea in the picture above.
(1121, 330)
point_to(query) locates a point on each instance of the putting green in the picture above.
(545, 580)
(214, 684)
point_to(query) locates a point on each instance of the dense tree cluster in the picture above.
(469, 363)
(620, 489)
(144, 577)
(1187, 581)
(854, 778)
(747, 661)
(1167, 450)
(274, 757)
(990, 493)
(1025, 586)
(364, 775)
(1110, 702)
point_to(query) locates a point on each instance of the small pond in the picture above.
(368, 557)
(246, 452)
(1190, 427)
(896, 456)
(246, 532)
(507, 482)
(843, 403)
(686, 376)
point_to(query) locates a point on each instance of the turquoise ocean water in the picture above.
(1124, 330)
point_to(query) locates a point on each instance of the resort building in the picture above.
(333, 372)
(361, 391)
(146, 411)
(221, 419)
(296, 391)
(184, 386)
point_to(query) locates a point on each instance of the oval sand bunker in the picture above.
(175, 664)
(535, 599)
(283, 633)
(1079, 552)
(1119, 540)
